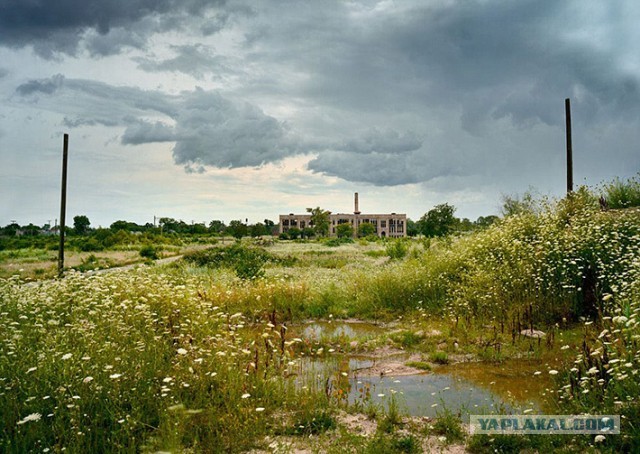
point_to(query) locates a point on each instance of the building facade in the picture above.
(391, 225)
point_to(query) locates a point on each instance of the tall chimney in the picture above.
(357, 211)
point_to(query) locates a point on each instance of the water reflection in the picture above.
(352, 330)
(465, 388)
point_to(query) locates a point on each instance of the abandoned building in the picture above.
(386, 225)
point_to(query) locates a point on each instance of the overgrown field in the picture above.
(203, 355)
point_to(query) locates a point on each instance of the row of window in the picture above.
(395, 225)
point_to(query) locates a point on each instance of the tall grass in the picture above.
(116, 362)
(622, 194)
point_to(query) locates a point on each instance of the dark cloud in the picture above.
(58, 28)
(380, 92)
(488, 78)
(386, 141)
(144, 132)
(429, 162)
(3, 73)
(489, 60)
(210, 130)
(44, 86)
(375, 168)
(214, 131)
(100, 45)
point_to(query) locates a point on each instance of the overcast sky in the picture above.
(201, 109)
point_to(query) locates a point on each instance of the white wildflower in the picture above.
(31, 417)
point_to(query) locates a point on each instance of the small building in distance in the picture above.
(391, 225)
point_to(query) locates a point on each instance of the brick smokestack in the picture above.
(357, 211)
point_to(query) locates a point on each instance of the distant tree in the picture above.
(258, 229)
(412, 228)
(30, 230)
(169, 225)
(294, 233)
(198, 229)
(439, 221)
(514, 204)
(103, 236)
(216, 226)
(129, 226)
(81, 224)
(344, 231)
(237, 229)
(320, 220)
(485, 221)
(119, 225)
(11, 229)
(366, 229)
(464, 225)
(308, 232)
(270, 227)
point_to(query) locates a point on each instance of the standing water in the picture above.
(462, 388)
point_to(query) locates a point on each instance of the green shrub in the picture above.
(407, 338)
(335, 242)
(450, 426)
(622, 194)
(90, 245)
(397, 249)
(439, 357)
(247, 262)
(148, 251)
(393, 444)
(312, 423)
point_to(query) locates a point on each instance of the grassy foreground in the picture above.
(190, 356)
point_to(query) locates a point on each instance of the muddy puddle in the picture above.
(354, 330)
(463, 388)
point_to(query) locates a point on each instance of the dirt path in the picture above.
(130, 266)
(163, 261)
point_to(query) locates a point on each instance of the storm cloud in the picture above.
(454, 94)
(58, 28)
(207, 128)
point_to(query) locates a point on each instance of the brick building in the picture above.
(391, 225)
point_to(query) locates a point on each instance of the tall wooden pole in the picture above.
(63, 204)
(567, 109)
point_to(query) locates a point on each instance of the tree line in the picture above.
(439, 221)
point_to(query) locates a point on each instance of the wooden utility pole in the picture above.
(63, 204)
(567, 110)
